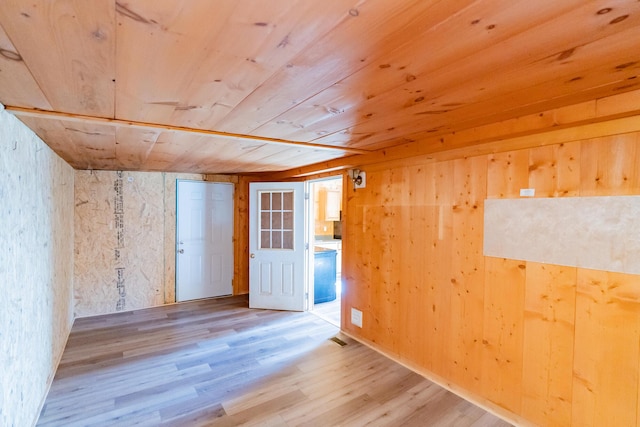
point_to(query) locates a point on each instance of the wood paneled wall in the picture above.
(241, 237)
(553, 345)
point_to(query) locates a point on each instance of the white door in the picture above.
(276, 246)
(204, 240)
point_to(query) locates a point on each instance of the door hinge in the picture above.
(306, 196)
(306, 246)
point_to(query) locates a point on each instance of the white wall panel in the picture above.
(600, 233)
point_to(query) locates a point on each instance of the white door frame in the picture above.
(311, 241)
(310, 232)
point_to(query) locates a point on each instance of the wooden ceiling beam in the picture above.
(403, 154)
(79, 118)
(607, 116)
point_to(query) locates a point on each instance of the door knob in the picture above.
(252, 255)
(181, 251)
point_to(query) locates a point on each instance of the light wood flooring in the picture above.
(329, 311)
(217, 363)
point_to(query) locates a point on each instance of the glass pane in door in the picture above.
(276, 220)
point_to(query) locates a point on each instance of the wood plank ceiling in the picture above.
(133, 85)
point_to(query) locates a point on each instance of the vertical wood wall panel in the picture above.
(380, 224)
(36, 269)
(369, 250)
(399, 243)
(440, 263)
(467, 272)
(610, 166)
(605, 386)
(421, 185)
(411, 297)
(359, 223)
(241, 237)
(508, 173)
(554, 171)
(504, 294)
(427, 260)
(607, 333)
(548, 343)
(503, 330)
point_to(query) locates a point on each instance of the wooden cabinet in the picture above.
(332, 206)
(337, 246)
(324, 276)
(328, 205)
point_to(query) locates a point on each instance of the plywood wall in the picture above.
(553, 345)
(124, 240)
(36, 269)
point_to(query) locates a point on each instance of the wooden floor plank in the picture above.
(218, 363)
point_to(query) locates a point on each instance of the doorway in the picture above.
(295, 246)
(325, 237)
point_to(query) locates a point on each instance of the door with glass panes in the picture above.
(276, 246)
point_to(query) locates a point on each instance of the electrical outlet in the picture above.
(356, 317)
